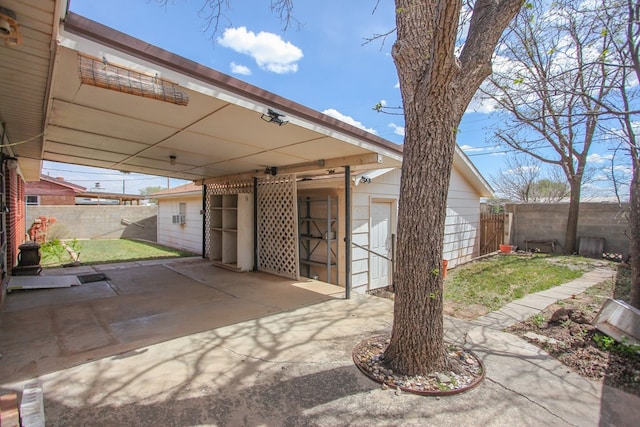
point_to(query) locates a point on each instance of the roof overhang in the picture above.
(219, 133)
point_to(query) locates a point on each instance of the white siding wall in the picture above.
(187, 236)
(385, 188)
(462, 227)
(461, 238)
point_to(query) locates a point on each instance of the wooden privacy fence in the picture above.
(491, 232)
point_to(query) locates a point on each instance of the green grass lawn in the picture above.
(105, 251)
(496, 281)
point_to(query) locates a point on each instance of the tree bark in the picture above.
(571, 231)
(436, 89)
(634, 233)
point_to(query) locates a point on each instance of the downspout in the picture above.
(347, 231)
(204, 220)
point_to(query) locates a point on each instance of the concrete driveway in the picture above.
(140, 304)
(294, 367)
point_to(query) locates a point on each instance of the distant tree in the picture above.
(550, 86)
(523, 180)
(147, 191)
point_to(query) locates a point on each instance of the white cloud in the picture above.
(397, 85)
(348, 119)
(270, 52)
(398, 130)
(240, 69)
(597, 158)
(469, 149)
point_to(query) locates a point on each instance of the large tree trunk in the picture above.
(634, 233)
(436, 89)
(417, 337)
(571, 231)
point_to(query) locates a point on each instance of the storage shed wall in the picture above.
(462, 226)
(186, 236)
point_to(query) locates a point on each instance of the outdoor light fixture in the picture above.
(273, 171)
(9, 28)
(172, 160)
(273, 117)
(11, 163)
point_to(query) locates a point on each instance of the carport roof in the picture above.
(218, 134)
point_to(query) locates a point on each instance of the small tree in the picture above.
(550, 87)
(621, 20)
(523, 180)
(151, 190)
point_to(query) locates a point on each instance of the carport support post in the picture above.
(255, 224)
(347, 231)
(204, 220)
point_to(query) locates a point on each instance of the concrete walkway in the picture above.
(294, 368)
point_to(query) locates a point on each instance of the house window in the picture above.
(33, 200)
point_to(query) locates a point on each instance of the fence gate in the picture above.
(491, 232)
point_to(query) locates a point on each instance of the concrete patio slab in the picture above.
(141, 304)
(294, 368)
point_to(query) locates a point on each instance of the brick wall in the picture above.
(15, 215)
(56, 200)
(548, 221)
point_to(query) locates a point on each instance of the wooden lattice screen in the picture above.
(278, 226)
(99, 73)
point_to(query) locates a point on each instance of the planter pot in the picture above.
(506, 249)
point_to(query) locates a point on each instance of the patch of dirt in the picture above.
(564, 330)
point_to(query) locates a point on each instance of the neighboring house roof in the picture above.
(51, 186)
(190, 189)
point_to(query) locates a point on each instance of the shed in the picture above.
(180, 217)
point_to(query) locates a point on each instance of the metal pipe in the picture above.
(255, 224)
(347, 231)
(204, 221)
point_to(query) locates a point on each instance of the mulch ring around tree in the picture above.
(469, 370)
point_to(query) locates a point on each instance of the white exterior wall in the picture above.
(462, 231)
(462, 227)
(186, 236)
(385, 188)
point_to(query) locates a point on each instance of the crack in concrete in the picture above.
(530, 400)
(277, 362)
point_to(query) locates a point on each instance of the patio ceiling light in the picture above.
(272, 117)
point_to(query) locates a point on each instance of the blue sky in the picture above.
(324, 64)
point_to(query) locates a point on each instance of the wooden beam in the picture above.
(336, 162)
